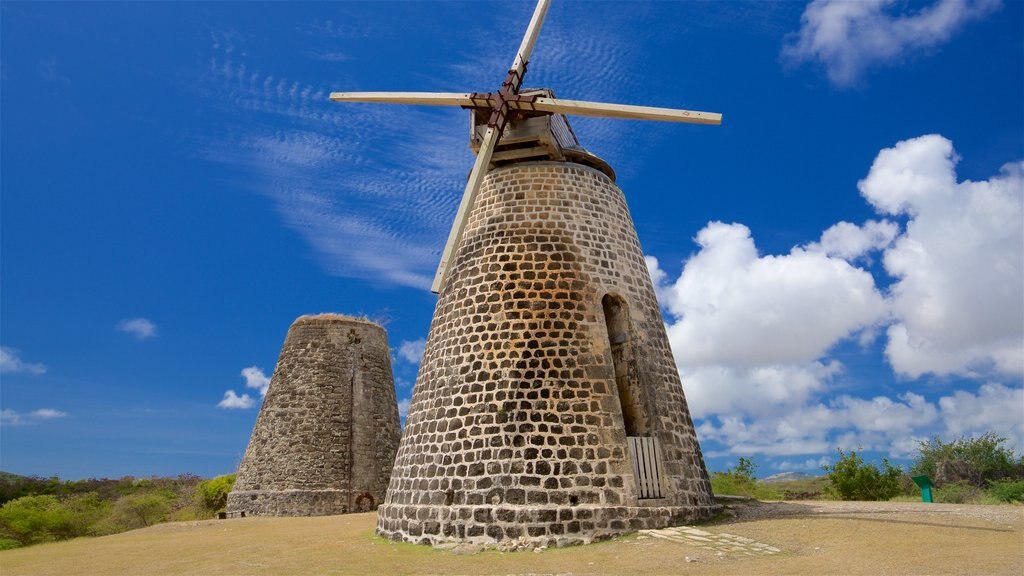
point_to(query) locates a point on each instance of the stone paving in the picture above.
(722, 542)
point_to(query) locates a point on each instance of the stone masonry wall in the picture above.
(326, 435)
(516, 428)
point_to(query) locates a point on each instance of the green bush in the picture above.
(212, 494)
(985, 454)
(852, 479)
(741, 481)
(33, 519)
(957, 493)
(1006, 490)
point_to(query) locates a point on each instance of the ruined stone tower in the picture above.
(325, 439)
(548, 405)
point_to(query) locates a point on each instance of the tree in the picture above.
(212, 494)
(32, 519)
(140, 510)
(852, 479)
(979, 460)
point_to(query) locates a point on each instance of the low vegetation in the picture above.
(38, 510)
(977, 470)
(741, 481)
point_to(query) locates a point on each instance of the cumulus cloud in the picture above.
(737, 308)
(959, 266)
(995, 408)
(412, 350)
(11, 363)
(848, 38)
(254, 379)
(850, 242)
(234, 401)
(754, 334)
(140, 328)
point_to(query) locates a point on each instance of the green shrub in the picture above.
(985, 454)
(1006, 490)
(32, 519)
(9, 543)
(740, 481)
(136, 511)
(212, 494)
(957, 493)
(852, 479)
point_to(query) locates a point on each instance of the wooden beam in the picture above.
(476, 178)
(529, 40)
(603, 110)
(422, 98)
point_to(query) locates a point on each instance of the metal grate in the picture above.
(645, 456)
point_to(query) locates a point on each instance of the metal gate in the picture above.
(645, 456)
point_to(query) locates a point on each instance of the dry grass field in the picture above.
(813, 538)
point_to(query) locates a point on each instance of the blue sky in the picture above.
(841, 263)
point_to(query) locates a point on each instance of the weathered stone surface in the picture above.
(326, 436)
(546, 351)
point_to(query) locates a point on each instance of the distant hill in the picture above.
(9, 478)
(786, 477)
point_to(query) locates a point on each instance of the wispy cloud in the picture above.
(48, 414)
(10, 417)
(11, 363)
(372, 189)
(140, 328)
(373, 204)
(848, 38)
(412, 350)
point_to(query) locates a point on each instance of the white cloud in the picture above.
(9, 417)
(850, 37)
(760, 391)
(234, 401)
(994, 408)
(140, 328)
(809, 464)
(960, 264)
(11, 363)
(255, 378)
(412, 351)
(753, 334)
(736, 308)
(403, 407)
(48, 414)
(850, 242)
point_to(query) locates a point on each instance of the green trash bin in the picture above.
(925, 484)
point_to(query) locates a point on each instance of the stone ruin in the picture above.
(326, 435)
(548, 409)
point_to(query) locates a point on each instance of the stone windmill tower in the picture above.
(548, 406)
(325, 439)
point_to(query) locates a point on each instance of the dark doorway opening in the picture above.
(624, 358)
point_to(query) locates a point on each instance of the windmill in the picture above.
(547, 409)
(503, 105)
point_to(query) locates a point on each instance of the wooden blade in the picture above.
(476, 178)
(529, 40)
(603, 110)
(424, 98)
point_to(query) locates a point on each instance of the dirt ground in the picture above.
(749, 538)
